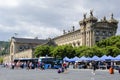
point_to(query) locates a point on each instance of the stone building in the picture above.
(91, 31)
(23, 47)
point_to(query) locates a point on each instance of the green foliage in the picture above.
(112, 50)
(69, 51)
(57, 52)
(118, 44)
(1, 60)
(80, 50)
(42, 51)
(109, 46)
(5, 46)
(62, 51)
(87, 51)
(112, 41)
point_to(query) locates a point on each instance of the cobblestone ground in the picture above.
(51, 74)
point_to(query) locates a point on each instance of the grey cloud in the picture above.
(30, 14)
(60, 14)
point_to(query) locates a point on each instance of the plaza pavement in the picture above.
(51, 74)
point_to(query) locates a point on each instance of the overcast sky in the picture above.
(48, 18)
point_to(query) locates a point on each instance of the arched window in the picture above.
(110, 34)
(21, 48)
(74, 44)
(78, 43)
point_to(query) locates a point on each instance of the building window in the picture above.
(27, 47)
(97, 33)
(110, 34)
(74, 44)
(21, 48)
(78, 43)
(103, 33)
(104, 38)
(97, 39)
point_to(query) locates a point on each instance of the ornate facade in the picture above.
(91, 31)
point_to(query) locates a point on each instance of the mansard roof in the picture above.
(69, 33)
(104, 25)
(32, 41)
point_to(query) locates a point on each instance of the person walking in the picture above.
(93, 67)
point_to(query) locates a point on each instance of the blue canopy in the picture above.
(95, 58)
(110, 58)
(66, 59)
(71, 59)
(89, 58)
(103, 58)
(75, 58)
(83, 58)
(117, 58)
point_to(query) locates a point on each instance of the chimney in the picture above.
(73, 28)
(64, 32)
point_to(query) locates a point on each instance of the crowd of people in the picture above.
(64, 65)
(24, 65)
